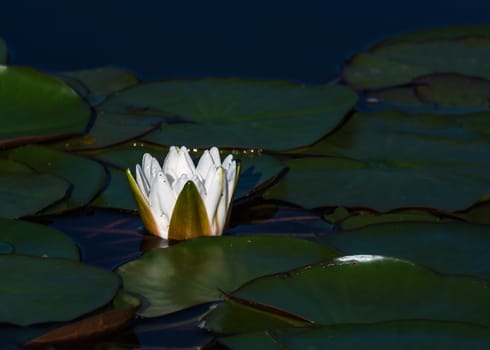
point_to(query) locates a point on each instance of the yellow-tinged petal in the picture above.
(189, 218)
(144, 207)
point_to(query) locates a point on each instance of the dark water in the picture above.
(304, 41)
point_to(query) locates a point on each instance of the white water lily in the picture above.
(179, 200)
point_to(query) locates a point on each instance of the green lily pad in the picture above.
(103, 81)
(453, 90)
(117, 194)
(272, 115)
(355, 289)
(407, 335)
(461, 50)
(317, 182)
(434, 93)
(110, 129)
(390, 160)
(33, 239)
(25, 191)
(193, 272)
(3, 52)
(454, 247)
(36, 107)
(33, 289)
(478, 214)
(253, 340)
(350, 221)
(86, 176)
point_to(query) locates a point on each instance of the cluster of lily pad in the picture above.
(383, 179)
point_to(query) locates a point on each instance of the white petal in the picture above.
(227, 161)
(200, 185)
(231, 181)
(208, 180)
(204, 165)
(214, 152)
(214, 192)
(188, 161)
(179, 184)
(178, 162)
(146, 165)
(220, 217)
(154, 169)
(142, 182)
(163, 191)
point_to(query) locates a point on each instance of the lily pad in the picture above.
(193, 272)
(478, 214)
(33, 289)
(272, 115)
(34, 239)
(3, 52)
(110, 129)
(455, 247)
(413, 335)
(413, 161)
(356, 289)
(253, 340)
(358, 219)
(86, 176)
(453, 90)
(435, 93)
(461, 50)
(91, 327)
(103, 81)
(25, 191)
(117, 194)
(37, 107)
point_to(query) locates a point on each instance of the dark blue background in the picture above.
(302, 40)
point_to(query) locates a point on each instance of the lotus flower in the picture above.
(180, 200)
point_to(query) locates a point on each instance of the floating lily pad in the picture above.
(103, 81)
(36, 107)
(25, 191)
(117, 194)
(392, 160)
(478, 214)
(33, 289)
(252, 340)
(3, 51)
(434, 93)
(110, 129)
(355, 289)
(455, 247)
(269, 114)
(385, 336)
(453, 90)
(93, 326)
(193, 272)
(33, 239)
(86, 176)
(461, 50)
(344, 220)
